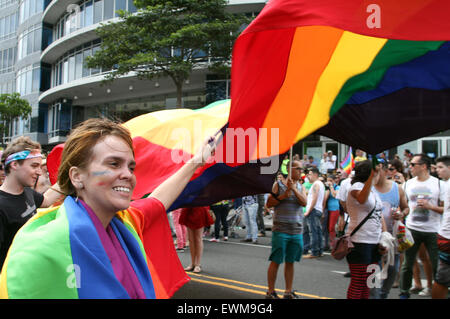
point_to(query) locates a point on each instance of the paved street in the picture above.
(235, 270)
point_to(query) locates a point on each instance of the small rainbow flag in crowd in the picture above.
(349, 162)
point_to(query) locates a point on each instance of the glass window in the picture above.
(68, 23)
(2, 27)
(131, 6)
(60, 73)
(39, 5)
(23, 84)
(78, 65)
(94, 70)
(37, 39)
(65, 71)
(88, 14)
(120, 5)
(7, 25)
(32, 7)
(98, 11)
(47, 38)
(13, 23)
(10, 57)
(432, 148)
(30, 43)
(27, 10)
(22, 12)
(3, 53)
(82, 17)
(36, 79)
(86, 53)
(108, 9)
(29, 82)
(71, 68)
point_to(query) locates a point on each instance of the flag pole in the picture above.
(290, 162)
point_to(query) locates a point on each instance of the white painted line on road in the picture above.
(339, 272)
(242, 244)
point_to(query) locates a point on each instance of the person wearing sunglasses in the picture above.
(425, 194)
(395, 169)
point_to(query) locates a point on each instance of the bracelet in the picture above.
(57, 191)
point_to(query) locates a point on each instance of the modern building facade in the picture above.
(43, 46)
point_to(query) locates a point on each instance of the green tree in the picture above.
(12, 106)
(168, 39)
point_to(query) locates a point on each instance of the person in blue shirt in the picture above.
(332, 206)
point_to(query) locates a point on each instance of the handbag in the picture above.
(343, 245)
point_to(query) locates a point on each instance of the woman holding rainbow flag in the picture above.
(99, 244)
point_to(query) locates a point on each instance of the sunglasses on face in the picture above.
(391, 169)
(414, 164)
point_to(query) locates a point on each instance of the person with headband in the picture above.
(21, 161)
(99, 244)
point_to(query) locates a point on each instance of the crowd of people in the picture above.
(312, 204)
(316, 203)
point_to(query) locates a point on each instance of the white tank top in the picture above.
(319, 203)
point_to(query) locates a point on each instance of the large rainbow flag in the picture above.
(373, 74)
(58, 254)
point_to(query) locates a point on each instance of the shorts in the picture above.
(365, 254)
(286, 247)
(443, 274)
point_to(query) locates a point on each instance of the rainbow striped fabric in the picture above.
(349, 162)
(363, 71)
(58, 254)
(163, 141)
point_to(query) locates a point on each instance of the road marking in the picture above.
(339, 272)
(241, 244)
(243, 283)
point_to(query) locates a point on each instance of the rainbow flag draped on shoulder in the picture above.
(58, 254)
(370, 73)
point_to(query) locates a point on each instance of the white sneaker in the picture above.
(225, 238)
(426, 292)
(214, 240)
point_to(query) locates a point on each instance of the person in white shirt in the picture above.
(423, 192)
(362, 200)
(442, 280)
(314, 212)
(331, 161)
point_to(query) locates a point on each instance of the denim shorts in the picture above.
(443, 274)
(286, 247)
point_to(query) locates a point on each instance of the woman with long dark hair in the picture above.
(363, 200)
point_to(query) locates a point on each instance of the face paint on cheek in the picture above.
(99, 174)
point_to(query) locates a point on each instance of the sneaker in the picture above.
(290, 295)
(255, 242)
(426, 292)
(225, 238)
(181, 250)
(404, 296)
(215, 240)
(248, 240)
(273, 295)
(415, 290)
